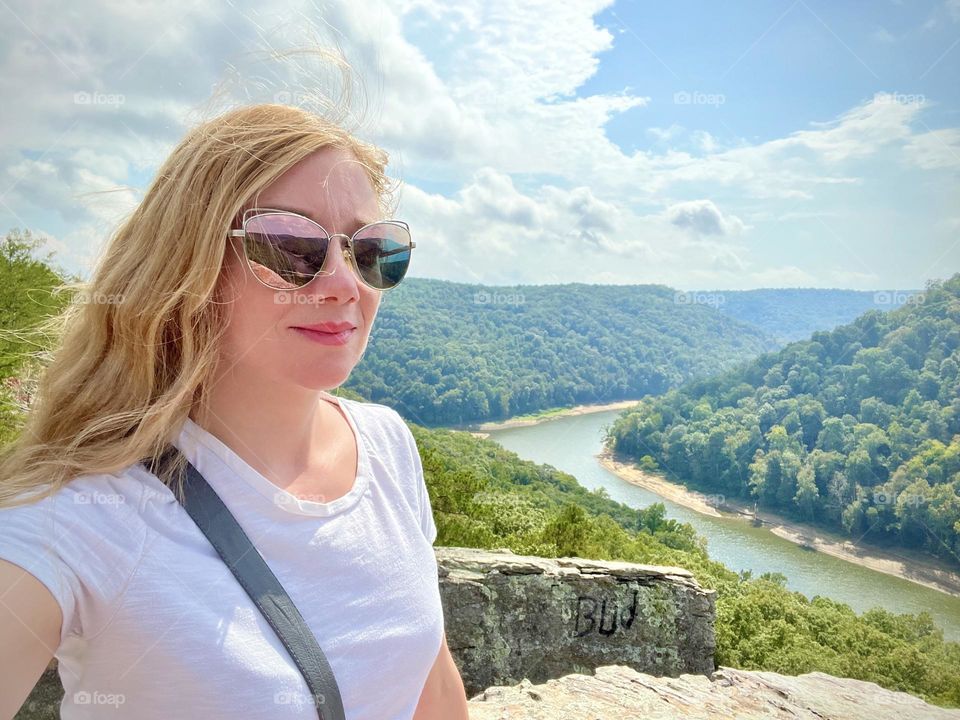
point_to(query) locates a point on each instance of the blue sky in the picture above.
(779, 65)
(699, 145)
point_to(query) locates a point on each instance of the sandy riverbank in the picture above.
(483, 430)
(656, 484)
(900, 563)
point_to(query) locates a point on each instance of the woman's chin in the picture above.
(326, 380)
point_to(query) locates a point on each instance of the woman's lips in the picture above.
(328, 327)
(327, 338)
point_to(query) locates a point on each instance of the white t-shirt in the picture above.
(156, 626)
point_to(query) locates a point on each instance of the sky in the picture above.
(700, 145)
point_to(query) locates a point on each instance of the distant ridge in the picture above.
(789, 314)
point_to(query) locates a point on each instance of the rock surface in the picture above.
(510, 617)
(621, 693)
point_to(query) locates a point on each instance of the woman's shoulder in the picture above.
(92, 512)
(82, 540)
(376, 418)
(385, 432)
(88, 494)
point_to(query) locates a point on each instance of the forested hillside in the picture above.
(790, 314)
(857, 429)
(449, 353)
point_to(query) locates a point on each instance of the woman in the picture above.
(217, 321)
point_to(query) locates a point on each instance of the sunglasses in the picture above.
(286, 251)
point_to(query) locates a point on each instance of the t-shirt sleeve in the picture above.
(427, 524)
(81, 543)
(31, 537)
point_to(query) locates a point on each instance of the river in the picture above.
(571, 443)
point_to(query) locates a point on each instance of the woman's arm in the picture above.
(443, 696)
(30, 620)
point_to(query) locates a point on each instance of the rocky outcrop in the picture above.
(510, 617)
(620, 693)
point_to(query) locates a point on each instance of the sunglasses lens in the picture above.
(284, 251)
(382, 251)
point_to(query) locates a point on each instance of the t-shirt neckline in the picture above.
(282, 499)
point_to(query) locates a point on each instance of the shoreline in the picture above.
(483, 430)
(903, 564)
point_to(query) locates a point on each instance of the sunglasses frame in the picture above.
(251, 213)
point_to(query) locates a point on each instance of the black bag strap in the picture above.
(245, 562)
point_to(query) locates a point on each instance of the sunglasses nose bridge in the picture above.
(346, 249)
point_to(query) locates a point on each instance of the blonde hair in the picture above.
(136, 350)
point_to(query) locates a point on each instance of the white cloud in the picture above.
(706, 142)
(703, 217)
(491, 232)
(934, 149)
(665, 134)
(492, 195)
